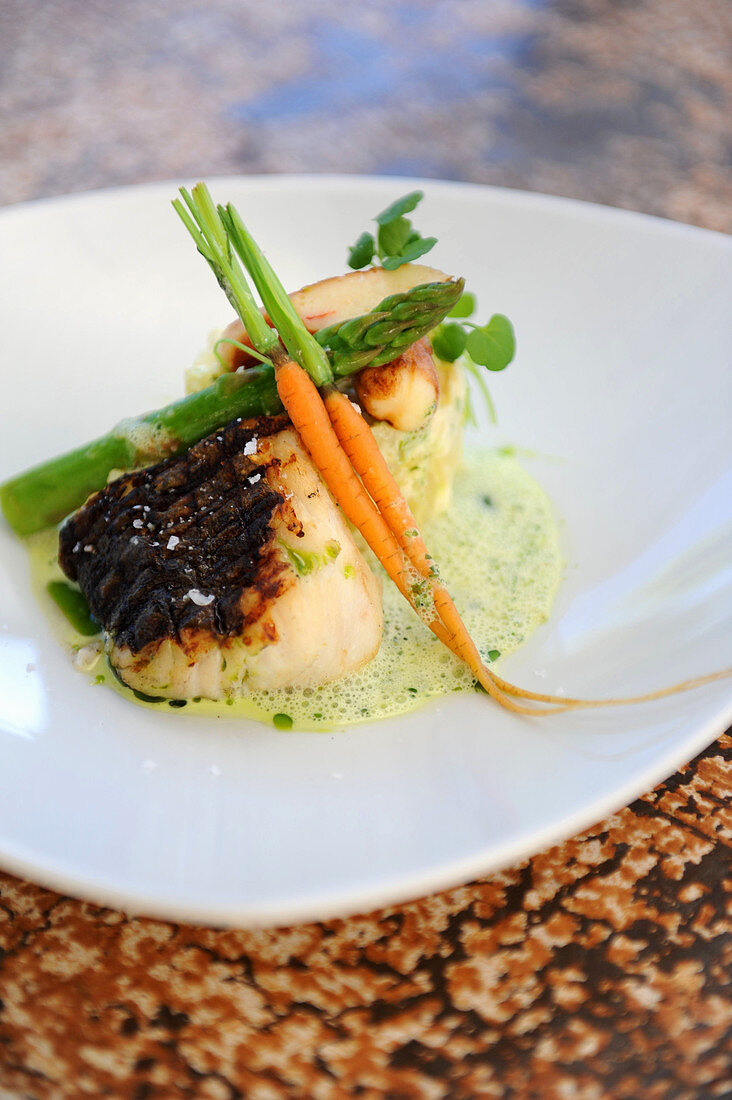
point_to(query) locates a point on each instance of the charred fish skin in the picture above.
(226, 570)
(170, 549)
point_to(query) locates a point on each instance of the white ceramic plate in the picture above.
(621, 389)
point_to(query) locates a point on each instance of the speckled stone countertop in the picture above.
(600, 968)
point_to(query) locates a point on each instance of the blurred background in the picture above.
(626, 102)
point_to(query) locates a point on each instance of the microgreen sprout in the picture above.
(236, 344)
(396, 242)
(492, 345)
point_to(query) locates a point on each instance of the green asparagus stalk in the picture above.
(396, 323)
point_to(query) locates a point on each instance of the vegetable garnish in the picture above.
(397, 242)
(396, 323)
(492, 345)
(73, 604)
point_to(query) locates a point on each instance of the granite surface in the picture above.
(600, 968)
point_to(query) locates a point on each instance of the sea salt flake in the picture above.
(250, 448)
(173, 542)
(254, 479)
(137, 523)
(89, 549)
(198, 598)
(86, 656)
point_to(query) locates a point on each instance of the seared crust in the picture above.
(196, 524)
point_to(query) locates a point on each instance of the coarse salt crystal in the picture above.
(198, 598)
(87, 656)
(254, 479)
(173, 542)
(137, 523)
(250, 448)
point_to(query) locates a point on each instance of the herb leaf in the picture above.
(397, 241)
(411, 251)
(493, 345)
(362, 252)
(400, 207)
(393, 236)
(465, 307)
(448, 342)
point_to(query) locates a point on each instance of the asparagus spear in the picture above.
(46, 493)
